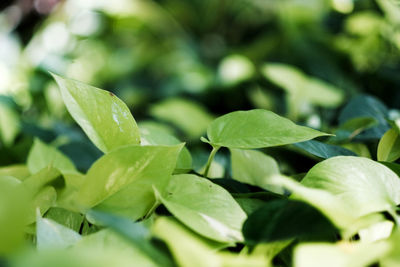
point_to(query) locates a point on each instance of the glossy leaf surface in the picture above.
(122, 181)
(104, 118)
(205, 207)
(256, 129)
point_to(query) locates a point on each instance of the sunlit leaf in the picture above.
(122, 181)
(338, 255)
(255, 129)
(105, 119)
(205, 207)
(52, 235)
(42, 155)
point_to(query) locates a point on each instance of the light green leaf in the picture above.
(205, 207)
(109, 245)
(342, 254)
(253, 167)
(389, 146)
(51, 235)
(302, 87)
(18, 171)
(136, 233)
(153, 135)
(105, 119)
(257, 128)
(188, 248)
(9, 124)
(122, 181)
(13, 212)
(364, 185)
(42, 155)
(330, 205)
(189, 116)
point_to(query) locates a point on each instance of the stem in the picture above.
(152, 209)
(210, 159)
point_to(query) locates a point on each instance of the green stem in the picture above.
(152, 209)
(210, 159)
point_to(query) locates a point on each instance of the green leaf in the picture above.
(105, 119)
(389, 146)
(42, 155)
(122, 181)
(364, 185)
(205, 207)
(18, 171)
(366, 106)
(13, 213)
(253, 167)
(187, 247)
(357, 125)
(339, 255)
(323, 150)
(256, 129)
(9, 123)
(136, 233)
(52, 235)
(302, 87)
(153, 135)
(189, 116)
(283, 219)
(331, 205)
(69, 219)
(116, 250)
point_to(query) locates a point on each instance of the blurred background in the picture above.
(178, 64)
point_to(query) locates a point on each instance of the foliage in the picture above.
(231, 133)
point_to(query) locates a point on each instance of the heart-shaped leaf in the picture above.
(105, 119)
(256, 129)
(205, 207)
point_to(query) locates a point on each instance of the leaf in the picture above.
(51, 235)
(122, 181)
(389, 146)
(19, 171)
(105, 119)
(190, 117)
(253, 167)
(257, 128)
(13, 213)
(116, 249)
(153, 135)
(295, 82)
(46, 176)
(282, 219)
(205, 207)
(353, 127)
(42, 155)
(136, 233)
(331, 205)
(323, 150)
(363, 184)
(69, 219)
(342, 254)
(366, 106)
(188, 248)
(9, 123)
